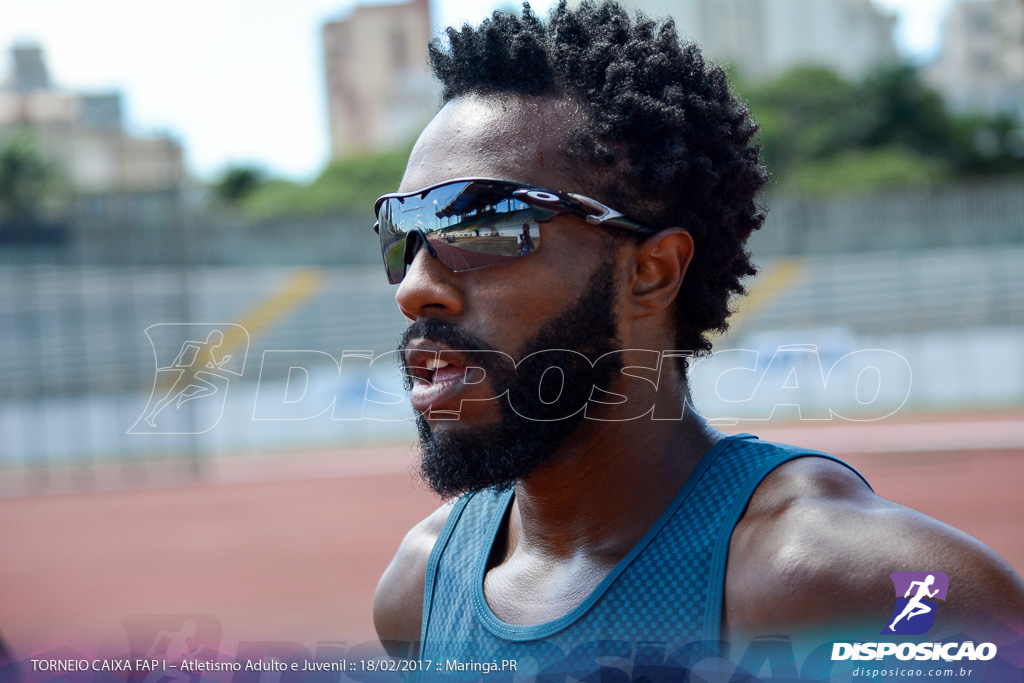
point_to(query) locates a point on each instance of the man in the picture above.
(525, 241)
(596, 512)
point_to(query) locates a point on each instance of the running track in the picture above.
(289, 549)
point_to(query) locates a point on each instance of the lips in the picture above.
(438, 375)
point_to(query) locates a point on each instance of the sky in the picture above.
(241, 81)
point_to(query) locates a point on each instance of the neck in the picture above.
(603, 492)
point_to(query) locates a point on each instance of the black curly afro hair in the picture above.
(664, 138)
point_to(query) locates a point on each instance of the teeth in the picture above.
(436, 363)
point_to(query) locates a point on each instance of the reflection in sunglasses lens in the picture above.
(466, 225)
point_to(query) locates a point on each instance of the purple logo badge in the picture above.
(916, 596)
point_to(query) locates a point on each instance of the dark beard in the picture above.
(530, 431)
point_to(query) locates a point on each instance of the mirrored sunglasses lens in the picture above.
(467, 225)
(392, 245)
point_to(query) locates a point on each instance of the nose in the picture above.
(429, 289)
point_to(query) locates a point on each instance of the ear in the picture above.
(660, 263)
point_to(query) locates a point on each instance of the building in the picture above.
(83, 134)
(981, 66)
(379, 91)
(765, 38)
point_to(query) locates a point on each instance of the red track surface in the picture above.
(291, 549)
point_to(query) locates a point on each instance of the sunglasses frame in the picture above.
(559, 203)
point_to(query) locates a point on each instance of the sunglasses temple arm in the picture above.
(599, 214)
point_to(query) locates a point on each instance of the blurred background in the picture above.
(168, 174)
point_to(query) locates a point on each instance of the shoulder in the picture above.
(816, 545)
(398, 601)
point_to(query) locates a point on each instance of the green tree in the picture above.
(25, 176)
(238, 182)
(350, 184)
(909, 114)
(823, 134)
(870, 170)
(809, 113)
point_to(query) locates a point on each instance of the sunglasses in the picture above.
(475, 222)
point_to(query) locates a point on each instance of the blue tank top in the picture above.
(658, 611)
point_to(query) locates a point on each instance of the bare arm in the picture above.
(816, 546)
(398, 602)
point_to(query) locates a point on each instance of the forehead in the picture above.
(509, 137)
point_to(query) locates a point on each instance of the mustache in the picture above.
(444, 333)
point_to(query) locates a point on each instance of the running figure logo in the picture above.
(174, 639)
(916, 593)
(205, 357)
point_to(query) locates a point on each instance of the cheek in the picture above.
(511, 309)
(510, 301)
